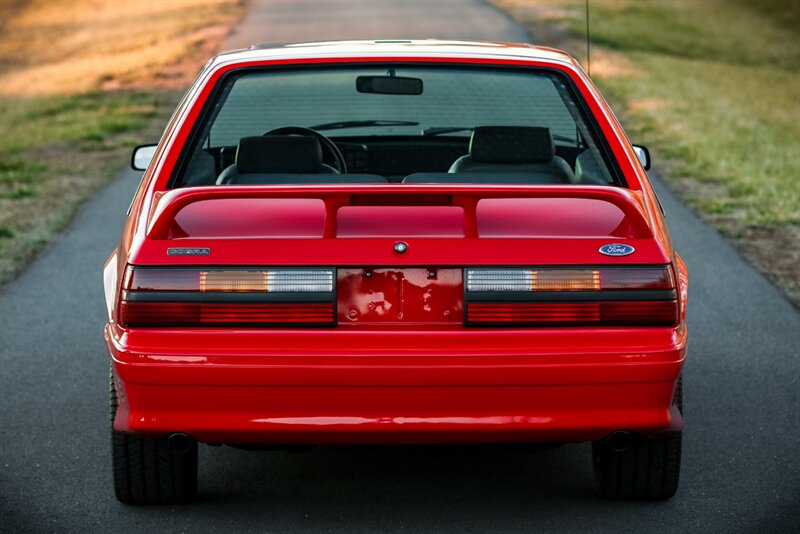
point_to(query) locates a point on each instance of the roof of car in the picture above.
(394, 47)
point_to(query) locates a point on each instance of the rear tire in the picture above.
(648, 470)
(146, 471)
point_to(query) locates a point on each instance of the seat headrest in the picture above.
(278, 154)
(511, 144)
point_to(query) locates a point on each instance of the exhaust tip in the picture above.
(179, 442)
(620, 441)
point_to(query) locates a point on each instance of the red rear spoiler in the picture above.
(168, 204)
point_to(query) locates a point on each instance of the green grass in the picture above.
(70, 110)
(60, 129)
(37, 122)
(17, 171)
(722, 129)
(56, 151)
(716, 88)
(740, 33)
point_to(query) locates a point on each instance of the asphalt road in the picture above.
(741, 465)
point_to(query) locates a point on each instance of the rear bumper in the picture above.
(436, 386)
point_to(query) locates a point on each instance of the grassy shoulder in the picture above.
(713, 88)
(81, 84)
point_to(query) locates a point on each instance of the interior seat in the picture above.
(283, 159)
(513, 149)
(519, 178)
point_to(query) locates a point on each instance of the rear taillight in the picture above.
(216, 296)
(591, 296)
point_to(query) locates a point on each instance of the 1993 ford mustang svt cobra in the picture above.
(417, 242)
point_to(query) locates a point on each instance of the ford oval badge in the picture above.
(616, 249)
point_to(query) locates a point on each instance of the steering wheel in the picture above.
(326, 143)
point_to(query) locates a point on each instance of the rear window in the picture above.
(479, 124)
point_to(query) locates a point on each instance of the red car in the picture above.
(394, 242)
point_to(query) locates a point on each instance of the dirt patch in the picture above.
(81, 84)
(56, 47)
(773, 250)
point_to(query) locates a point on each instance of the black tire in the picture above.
(648, 470)
(146, 471)
(677, 399)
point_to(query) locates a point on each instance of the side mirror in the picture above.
(643, 155)
(142, 156)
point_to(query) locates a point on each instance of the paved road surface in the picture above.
(741, 470)
(288, 21)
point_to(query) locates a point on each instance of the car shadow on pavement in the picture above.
(387, 488)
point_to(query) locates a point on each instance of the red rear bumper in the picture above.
(422, 386)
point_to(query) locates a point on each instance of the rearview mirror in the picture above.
(643, 155)
(142, 156)
(389, 85)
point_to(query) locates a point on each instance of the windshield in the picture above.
(436, 114)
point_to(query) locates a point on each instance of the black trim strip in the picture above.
(501, 297)
(237, 326)
(207, 267)
(630, 324)
(286, 297)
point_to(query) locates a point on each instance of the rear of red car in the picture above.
(341, 310)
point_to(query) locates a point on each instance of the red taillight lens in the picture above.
(215, 296)
(213, 313)
(607, 313)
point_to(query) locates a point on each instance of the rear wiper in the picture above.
(361, 124)
(437, 130)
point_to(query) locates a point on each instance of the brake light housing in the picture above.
(158, 296)
(615, 295)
